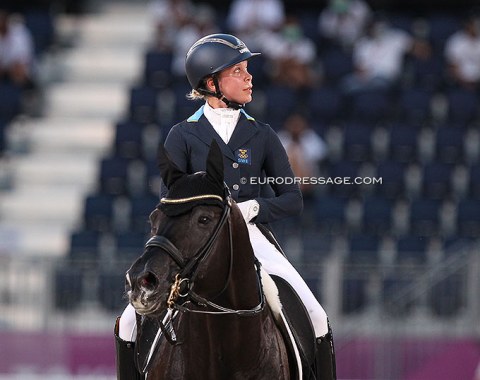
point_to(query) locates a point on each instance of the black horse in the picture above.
(197, 289)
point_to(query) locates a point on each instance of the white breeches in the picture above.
(274, 263)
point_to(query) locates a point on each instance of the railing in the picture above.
(383, 329)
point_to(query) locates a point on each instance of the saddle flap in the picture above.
(299, 322)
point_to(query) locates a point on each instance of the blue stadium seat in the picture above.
(316, 247)
(354, 293)
(462, 106)
(403, 145)
(98, 212)
(111, 290)
(441, 26)
(41, 24)
(449, 144)
(143, 104)
(371, 106)
(427, 73)
(392, 174)
(437, 180)
(424, 217)
(10, 102)
(128, 139)
(3, 137)
(412, 250)
(113, 176)
(258, 69)
(140, 209)
(68, 288)
(363, 250)
(448, 296)
(357, 142)
(157, 68)
(377, 215)
(330, 213)
(474, 181)
(184, 108)
(341, 170)
(129, 245)
(281, 102)
(393, 286)
(336, 63)
(84, 247)
(415, 105)
(468, 218)
(325, 104)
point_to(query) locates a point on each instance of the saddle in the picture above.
(296, 317)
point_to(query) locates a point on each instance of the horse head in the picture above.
(190, 254)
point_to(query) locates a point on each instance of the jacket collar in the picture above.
(244, 131)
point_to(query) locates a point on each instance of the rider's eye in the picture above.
(203, 219)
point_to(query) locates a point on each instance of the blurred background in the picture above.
(384, 93)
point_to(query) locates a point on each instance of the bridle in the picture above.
(182, 287)
(181, 291)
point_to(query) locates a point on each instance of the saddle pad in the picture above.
(299, 322)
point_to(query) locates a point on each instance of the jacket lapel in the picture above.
(244, 131)
(205, 132)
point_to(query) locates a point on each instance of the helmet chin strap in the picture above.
(219, 95)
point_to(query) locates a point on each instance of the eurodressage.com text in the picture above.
(314, 180)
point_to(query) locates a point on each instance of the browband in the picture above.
(191, 199)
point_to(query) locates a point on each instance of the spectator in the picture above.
(169, 16)
(248, 19)
(291, 54)
(16, 51)
(343, 22)
(462, 53)
(305, 149)
(201, 25)
(378, 57)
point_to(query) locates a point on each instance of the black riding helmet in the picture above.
(210, 55)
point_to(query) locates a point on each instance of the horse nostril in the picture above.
(148, 280)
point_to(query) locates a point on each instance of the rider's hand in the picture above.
(249, 209)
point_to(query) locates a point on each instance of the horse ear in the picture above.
(154, 221)
(168, 170)
(215, 163)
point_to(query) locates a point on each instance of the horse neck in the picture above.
(243, 289)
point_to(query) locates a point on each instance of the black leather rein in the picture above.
(182, 286)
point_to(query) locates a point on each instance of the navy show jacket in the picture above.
(253, 154)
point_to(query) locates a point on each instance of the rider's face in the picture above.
(236, 83)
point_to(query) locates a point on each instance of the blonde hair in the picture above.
(195, 95)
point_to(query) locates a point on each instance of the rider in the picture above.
(217, 69)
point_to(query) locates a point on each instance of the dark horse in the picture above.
(198, 283)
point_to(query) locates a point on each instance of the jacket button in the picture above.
(235, 165)
(235, 187)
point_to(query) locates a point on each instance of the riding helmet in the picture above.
(213, 53)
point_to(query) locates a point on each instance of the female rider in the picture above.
(217, 69)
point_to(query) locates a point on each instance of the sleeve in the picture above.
(176, 148)
(288, 199)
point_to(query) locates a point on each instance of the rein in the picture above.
(182, 286)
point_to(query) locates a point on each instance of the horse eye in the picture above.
(203, 219)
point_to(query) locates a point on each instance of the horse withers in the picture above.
(201, 310)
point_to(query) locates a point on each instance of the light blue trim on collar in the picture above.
(196, 116)
(247, 115)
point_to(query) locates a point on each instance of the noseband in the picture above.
(182, 287)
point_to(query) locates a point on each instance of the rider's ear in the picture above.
(215, 163)
(168, 170)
